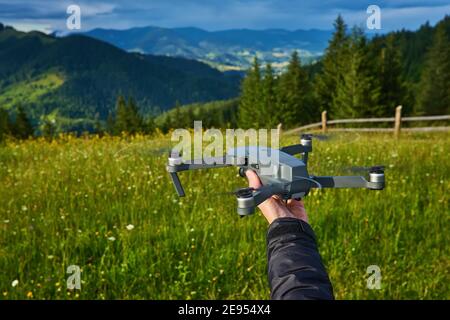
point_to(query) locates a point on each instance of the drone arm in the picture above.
(247, 204)
(349, 182)
(264, 193)
(296, 149)
(342, 182)
(177, 183)
(177, 166)
(209, 163)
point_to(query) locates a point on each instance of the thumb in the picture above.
(253, 179)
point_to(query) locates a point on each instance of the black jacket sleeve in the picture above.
(296, 271)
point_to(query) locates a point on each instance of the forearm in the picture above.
(295, 268)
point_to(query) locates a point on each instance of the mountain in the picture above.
(79, 77)
(226, 50)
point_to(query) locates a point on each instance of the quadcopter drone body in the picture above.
(285, 176)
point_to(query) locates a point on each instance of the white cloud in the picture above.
(220, 14)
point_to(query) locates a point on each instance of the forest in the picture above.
(357, 77)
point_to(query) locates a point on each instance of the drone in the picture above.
(287, 177)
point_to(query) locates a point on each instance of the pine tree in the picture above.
(167, 123)
(332, 66)
(250, 102)
(189, 118)
(268, 116)
(135, 123)
(4, 124)
(434, 93)
(23, 128)
(292, 93)
(177, 119)
(149, 124)
(357, 93)
(393, 91)
(121, 121)
(110, 124)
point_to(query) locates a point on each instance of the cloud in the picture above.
(221, 14)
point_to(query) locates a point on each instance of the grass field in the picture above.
(30, 91)
(107, 205)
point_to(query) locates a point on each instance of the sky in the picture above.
(51, 15)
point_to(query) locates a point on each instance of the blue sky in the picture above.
(50, 15)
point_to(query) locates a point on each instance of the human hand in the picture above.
(274, 207)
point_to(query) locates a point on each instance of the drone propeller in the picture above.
(240, 192)
(245, 192)
(320, 137)
(355, 169)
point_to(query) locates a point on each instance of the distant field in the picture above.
(69, 202)
(30, 91)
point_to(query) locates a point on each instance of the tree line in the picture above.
(18, 126)
(126, 119)
(215, 114)
(355, 78)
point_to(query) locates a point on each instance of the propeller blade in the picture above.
(242, 192)
(357, 169)
(320, 137)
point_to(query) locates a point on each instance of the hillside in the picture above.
(227, 50)
(80, 77)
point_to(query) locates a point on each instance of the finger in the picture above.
(298, 209)
(253, 179)
(295, 203)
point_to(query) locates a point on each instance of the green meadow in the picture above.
(107, 205)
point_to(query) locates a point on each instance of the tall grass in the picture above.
(76, 201)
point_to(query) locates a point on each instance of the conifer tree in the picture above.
(392, 90)
(292, 92)
(4, 124)
(149, 124)
(110, 124)
(357, 93)
(135, 122)
(23, 128)
(121, 121)
(251, 103)
(177, 119)
(332, 66)
(434, 89)
(167, 123)
(269, 114)
(190, 118)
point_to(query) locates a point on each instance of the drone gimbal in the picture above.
(286, 177)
